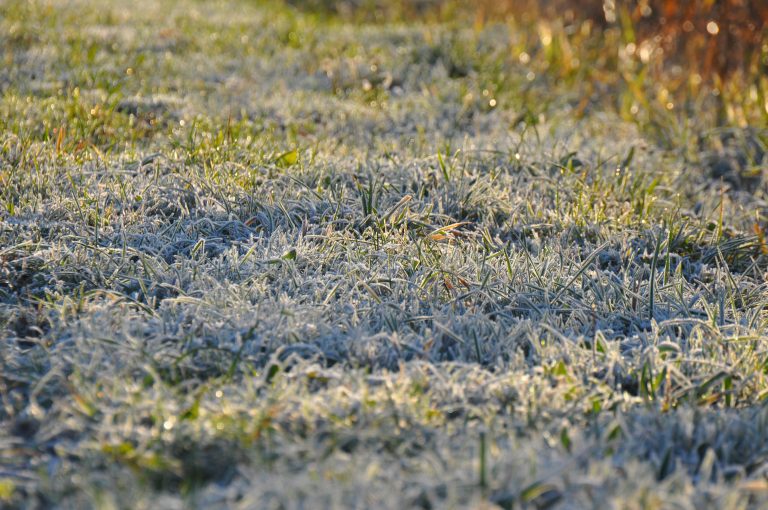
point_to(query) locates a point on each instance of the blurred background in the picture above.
(661, 51)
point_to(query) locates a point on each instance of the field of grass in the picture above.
(261, 256)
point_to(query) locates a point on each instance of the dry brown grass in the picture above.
(713, 39)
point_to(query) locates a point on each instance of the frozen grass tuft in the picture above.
(253, 259)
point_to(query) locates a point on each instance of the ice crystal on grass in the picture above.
(251, 257)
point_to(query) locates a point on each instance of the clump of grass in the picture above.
(294, 260)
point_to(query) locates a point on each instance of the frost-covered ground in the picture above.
(255, 258)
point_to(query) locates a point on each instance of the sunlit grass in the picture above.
(259, 255)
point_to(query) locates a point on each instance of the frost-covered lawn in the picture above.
(252, 257)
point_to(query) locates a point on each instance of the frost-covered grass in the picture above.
(252, 257)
